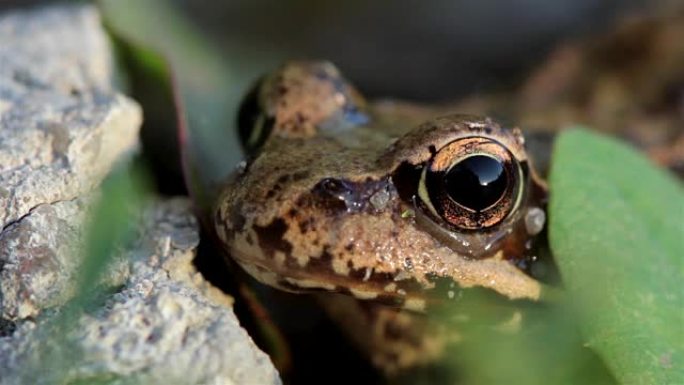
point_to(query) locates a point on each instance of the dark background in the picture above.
(419, 50)
(425, 50)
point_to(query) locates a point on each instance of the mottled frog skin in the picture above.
(377, 201)
(387, 208)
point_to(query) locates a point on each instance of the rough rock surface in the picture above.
(165, 324)
(37, 257)
(63, 126)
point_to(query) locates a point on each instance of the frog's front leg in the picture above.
(394, 339)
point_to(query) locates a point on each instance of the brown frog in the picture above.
(389, 208)
(384, 203)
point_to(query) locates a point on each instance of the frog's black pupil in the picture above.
(476, 182)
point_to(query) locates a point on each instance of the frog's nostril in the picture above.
(333, 193)
(369, 195)
(334, 187)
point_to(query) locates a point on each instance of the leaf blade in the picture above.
(616, 230)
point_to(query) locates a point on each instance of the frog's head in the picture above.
(339, 196)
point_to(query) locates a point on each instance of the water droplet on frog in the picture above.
(379, 199)
(367, 275)
(352, 204)
(241, 167)
(535, 218)
(528, 244)
(408, 264)
(497, 237)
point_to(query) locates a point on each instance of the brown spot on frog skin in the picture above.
(271, 237)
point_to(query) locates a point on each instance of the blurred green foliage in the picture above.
(617, 234)
(518, 343)
(201, 76)
(112, 225)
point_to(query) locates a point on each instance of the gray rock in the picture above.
(63, 126)
(166, 324)
(39, 258)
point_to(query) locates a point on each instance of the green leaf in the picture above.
(113, 223)
(501, 341)
(203, 80)
(203, 86)
(617, 233)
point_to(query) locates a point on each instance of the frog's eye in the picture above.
(472, 183)
(254, 125)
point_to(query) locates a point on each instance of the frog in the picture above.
(384, 209)
(387, 209)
